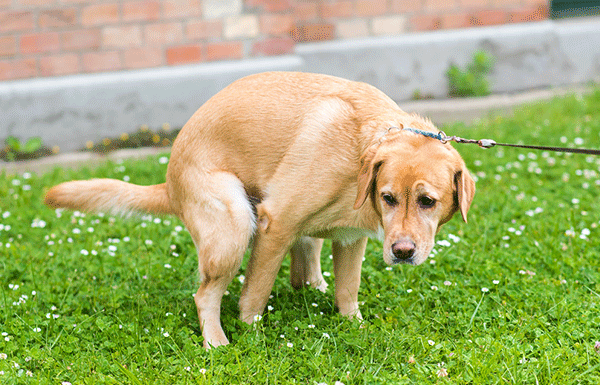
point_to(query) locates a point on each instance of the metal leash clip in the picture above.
(483, 143)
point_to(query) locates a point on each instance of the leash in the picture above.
(489, 143)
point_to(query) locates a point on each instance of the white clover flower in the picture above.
(586, 232)
(326, 335)
(447, 283)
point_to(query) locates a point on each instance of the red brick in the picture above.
(489, 17)
(35, 3)
(164, 33)
(181, 8)
(59, 65)
(98, 14)
(305, 12)
(313, 32)
(271, 5)
(425, 22)
(19, 69)
(122, 37)
(204, 29)
(16, 21)
(40, 42)
(82, 39)
(101, 61)
(528, 14)
(8, 46)
(57, 18)
(405, 6)
(371, 7)
(274, 46)
(184, 54)
(143, 57)
(337, 9)
(141, 10)
(221, 51)
(276, 24)
(456, 20)
(438, 6)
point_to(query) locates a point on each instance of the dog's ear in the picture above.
(369, 164)
(465, 191)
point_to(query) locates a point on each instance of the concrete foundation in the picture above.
(69, 111)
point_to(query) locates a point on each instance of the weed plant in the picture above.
(511, 297)
(471, 81)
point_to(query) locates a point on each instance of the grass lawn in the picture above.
(511, 297)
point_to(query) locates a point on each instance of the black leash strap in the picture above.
(488, 143)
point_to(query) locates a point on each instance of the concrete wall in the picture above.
(68, 111)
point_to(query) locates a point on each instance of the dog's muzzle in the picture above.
(403, 252)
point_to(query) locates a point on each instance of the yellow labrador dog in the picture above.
(282, 160)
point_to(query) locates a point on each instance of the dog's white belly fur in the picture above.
(348, 235)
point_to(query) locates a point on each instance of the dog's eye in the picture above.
(389, 200)
(426, 202)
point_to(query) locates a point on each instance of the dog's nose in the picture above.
(403, 250)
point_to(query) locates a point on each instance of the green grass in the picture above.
(94, 299)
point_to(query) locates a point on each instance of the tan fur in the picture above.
(285, 159)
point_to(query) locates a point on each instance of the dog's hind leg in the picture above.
(305, 268)
(219, 217)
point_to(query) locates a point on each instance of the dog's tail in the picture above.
(109, 196)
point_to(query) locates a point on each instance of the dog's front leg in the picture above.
(270, 247)
(347, 262)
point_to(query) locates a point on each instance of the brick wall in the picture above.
(40, 38)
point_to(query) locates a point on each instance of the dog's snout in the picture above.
(403, 251)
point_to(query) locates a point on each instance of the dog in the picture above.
(281, 160)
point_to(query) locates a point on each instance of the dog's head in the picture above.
(415, 184)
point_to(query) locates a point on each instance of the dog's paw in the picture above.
(320, 285)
